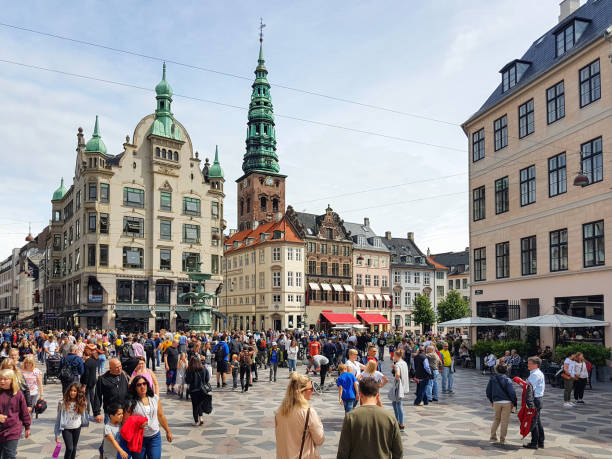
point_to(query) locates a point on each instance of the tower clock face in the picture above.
(269, 181)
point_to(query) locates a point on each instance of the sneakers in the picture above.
(218, 384)
(568, 404)
(493, 440)
(224, 384)
(530, 446)
(580, 401)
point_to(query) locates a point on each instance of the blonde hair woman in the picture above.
(10, 364)
(298, 428)
(33, 378)
(15, 416)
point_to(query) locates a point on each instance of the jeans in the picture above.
(71, 438)
(568, 385)
(151, 447)
(502, 415)
(273, 368)
(537, 431)
(245, 373)
(421, 396)
(158, 357)
(101, 363)
(579, 386)
(432, 387)
(292, 365)
(349, 404)
(235, 374)
(381, 353)
(151, 358)
(8, 449)
(324, 369)
(398, 409)
(447, 379)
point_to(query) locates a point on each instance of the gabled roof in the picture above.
(288, 234)
(312, 222)
(458, 261)
(404, 247)
(542, 53)
(357, 229)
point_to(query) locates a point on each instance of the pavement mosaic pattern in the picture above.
(242, 425)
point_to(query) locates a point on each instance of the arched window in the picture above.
(241, 207)
(248, 205)
(275, 205)
(176, 155)
(164, 153)
(157, 152)
(264, 203)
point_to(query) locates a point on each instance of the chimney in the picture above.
(255, 224)
(428, 252)
(388, 235)
(366, 221)
(411, 236)
(567, 7)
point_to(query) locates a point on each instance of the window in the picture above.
(262, 280)
(501, 195)
(215, 239)
(500, 128)
(426, 278)
(77, 230)
(324, 249)
(397, 277)
(214, 209)
(555, 102)
(335, 269)
(276, 279)
(165, 259)
(165, 229)
(592, 160)
(162, 292)
(133, 226)
(165, 201)
(478, 207)
(92, 191)
(480, 264)
(276, 298)
(312, 267)
(312, 247)
(565, 40)
(457, 284)
(376, 281)
(104, 192)
(103, 224)
(298, 279)
(464, 282)
(557, 175)
(298, 254)
(290, 278)
(407, 298)
(346, 251)
(502, 260)
(590, 84)
(78, 200)
(91, 227)
(133, 257)
(124, 291)
(509, 78)
(526, 119)
(133, 197)
(330, 233)
(368, 280)
(191, 233)
(450, 284)
(440, 291)
(334, 249)
(66, 239)
(214, 264)
(359, 280)
(323, 268)
(558, 250)
(385, 281)
(91, 255)
(191, 206)
(290, 300)
(593, 244)
(276, 254)
(417, 277)
(528, 186)
(191, 261)
(289, 253)
(77, 259)
(528, 256)
(141, 292)
(103, 255)
(478, 145)
(262, 256)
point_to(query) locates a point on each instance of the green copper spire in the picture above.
(95, 144)
(215, 170)
(60, 192)
(164, 125)
(260, 153)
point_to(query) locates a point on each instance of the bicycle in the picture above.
(319, 390)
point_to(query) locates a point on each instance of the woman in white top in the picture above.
(582, 377)
(352, 364)
(144, 402)
(568, 379)
(33, 378)
(371, 372)
(292, 352)
(401, 373)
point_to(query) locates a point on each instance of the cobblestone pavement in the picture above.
(242, 425)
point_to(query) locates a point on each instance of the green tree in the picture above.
(422, 312)
(454, 306)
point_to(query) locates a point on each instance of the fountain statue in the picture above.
(200, 310)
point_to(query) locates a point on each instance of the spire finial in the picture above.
(216, 153)
(261, 27)
(164, 71)
(96, 132)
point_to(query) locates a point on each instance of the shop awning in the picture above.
(348, 288)
(387, 297)
(369, 296)
(337, 287)
(373, 319)
(361, 296)
(378, 296)
(313, 286)
(133, 314)
(326, 287)
(340, 318)
(183, 314)
(98, 313)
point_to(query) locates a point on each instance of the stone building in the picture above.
(9, 293)
(130, 226)
(458, 275)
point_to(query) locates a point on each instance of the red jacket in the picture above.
(132, 431)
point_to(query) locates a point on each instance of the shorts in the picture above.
(222, 366)
(170, 377)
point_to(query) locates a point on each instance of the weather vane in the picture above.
(261, 27)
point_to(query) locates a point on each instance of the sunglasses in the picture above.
(141, 384)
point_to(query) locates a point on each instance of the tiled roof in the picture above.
(114, 160)
(357, 229)
(436, 265)
(287, 231)
(542, 55)
(402, 247)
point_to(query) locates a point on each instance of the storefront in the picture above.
(182, 318)
(374, 321)
(132, 319)
(328, 319)
(587, 307)
(91, 319)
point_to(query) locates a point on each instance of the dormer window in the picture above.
(566, 38)
(512, 73)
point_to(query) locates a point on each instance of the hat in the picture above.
(273, 343)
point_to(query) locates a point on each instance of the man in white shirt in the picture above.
(318, 363)
(537, 381)
(568, 384)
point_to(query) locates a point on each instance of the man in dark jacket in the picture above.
(502, 396)
(75, 364)
(112, 387)
(422, 373)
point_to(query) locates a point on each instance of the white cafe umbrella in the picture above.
(473, 322)
(558, 321)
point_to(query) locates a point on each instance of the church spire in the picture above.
(260, 153)
(163, 125)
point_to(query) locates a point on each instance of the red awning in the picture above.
(340, 318)
(373, 318)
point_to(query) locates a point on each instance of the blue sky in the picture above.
(438, 59)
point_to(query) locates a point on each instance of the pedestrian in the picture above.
(369, 431)
(581, 372)
(448, 369)
(353, 364)
(14, 417)
(111, 433)
(401, 374)
(318, 364)
(348, 389)
(71, 416)
(568, 379)
(111, 387)
(537, 381)
(502, 397)
(90, 376)
(171, 363)
(198, 378)
(292, 353)
(434, 365)
(381, 343)
(274, 358)
(33, 378)
(71, 366)
(102, 350)
(489, 361)
(422, 374)
(235, 369)
(246, 362)
(10, 364)
(221, 353)
(370, 371)
(297, 426)
(181, 369)
(142, 370)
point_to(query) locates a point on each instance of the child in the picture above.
(235, 370)
(71, 416)
(391, 350)
(348, 388)
(180, 373)
(111, 431)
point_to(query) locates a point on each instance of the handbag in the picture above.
(396, 392)
(304, 433)
(206, 387)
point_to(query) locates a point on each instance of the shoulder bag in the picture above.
(304, 433)
(206, 387)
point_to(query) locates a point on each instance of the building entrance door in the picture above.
(277, 324)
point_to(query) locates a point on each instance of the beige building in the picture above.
(9, 292)
(537, 239)
(458, 270)
(130, 226)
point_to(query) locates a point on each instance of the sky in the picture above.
(415, 61)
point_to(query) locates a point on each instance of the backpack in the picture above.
(40, 407)
(261, 344)
(220, 352)
(66, 373)
(148, 346)
(129, 350)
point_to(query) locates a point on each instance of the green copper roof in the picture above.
(215, 170)
(60, 192)
(164, 125)
(260, 153)
(95, 144)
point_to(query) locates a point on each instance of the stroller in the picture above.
(53, 368)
